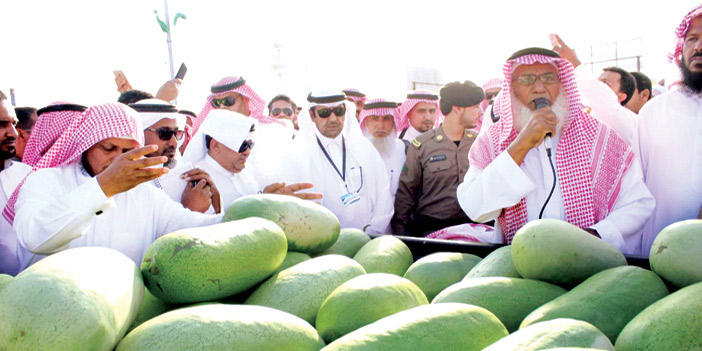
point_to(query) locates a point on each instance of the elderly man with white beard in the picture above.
(378, 120)
(596, 183)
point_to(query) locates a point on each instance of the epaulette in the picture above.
(471, 134)
(416, 143)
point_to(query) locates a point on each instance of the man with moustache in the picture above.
(11, 174)
(331, 152)
(436, 163)
(669, 136)
(598, 184)
(418, 114)
(378, 120)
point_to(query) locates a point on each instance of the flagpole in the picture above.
(168, 36)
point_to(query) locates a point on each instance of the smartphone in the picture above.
(181, 71)
(121, 81)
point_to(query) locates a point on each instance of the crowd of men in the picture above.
(546, 140)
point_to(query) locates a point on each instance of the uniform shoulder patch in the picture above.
(471, 134)
(416, 143)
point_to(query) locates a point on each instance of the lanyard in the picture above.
(343, 153)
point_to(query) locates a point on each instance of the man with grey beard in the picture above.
(378, 121)
(547, 158)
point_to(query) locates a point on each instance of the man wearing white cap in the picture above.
(418, 114)
(378, 120)
(88, 191)
(221, 147)
(331, 152)
(163, 127)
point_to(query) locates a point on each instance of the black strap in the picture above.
(343, 157)
(403, 133)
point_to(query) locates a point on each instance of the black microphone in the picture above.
(541, 103)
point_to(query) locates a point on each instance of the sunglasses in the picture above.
(225, 101)
(166, 134)
(529, 79)
(339, 111)
(246, 145)
(287, 111)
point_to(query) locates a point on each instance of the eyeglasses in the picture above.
(225, 101)
(529, 79)
(246, 145)
(287, 111)
(166, 134)
(325, 112)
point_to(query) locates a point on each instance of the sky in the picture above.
(67, 50)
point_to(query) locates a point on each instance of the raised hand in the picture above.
(131, 169)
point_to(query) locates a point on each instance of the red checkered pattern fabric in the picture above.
(681, 31)
(409, 104)
(353, 97)
(47, 129)
(591, 159)
(100, 122)
(378, 112)
(256, 104)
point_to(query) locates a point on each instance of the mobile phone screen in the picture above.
(181, 71)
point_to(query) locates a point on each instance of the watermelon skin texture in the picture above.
(555, 333)
(497, 264)
(364, 300)
(350, 241)
(608, 300)
(675, 254)
(672, 323)
(207, 263)
(308, 226)
(510, 299)
(77, 299)
(560, 253)
(301, 289)
(436, 272)
(446, 327)
(385, 254)
(219, 327)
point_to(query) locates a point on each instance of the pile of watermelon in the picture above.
(280, 274)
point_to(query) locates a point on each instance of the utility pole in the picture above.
(168, 40)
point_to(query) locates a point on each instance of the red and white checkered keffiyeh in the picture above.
(47, 129)
(100, 122)
(409, 104)
(256, 104)
(354, 95)
(591, 159)
(382, 111)
(681, 31)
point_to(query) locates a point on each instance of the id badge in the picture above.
(349, 199)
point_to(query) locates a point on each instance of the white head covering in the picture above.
(227, 127)
(154, 110)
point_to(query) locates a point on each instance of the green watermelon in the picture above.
(510, 299)
(78, 299)
(446, 327)
(675, 254)
(301, 289)
(497, 264)
(218, 327)
(4, 280)
(560, 253)
(291, 259)
(608, 300)
(553, 334)
(436, 272)
(208, 263)
(309, 227)
(364, 300)
(673, 323)
(385, 254)
(350, 241)
(151, 306)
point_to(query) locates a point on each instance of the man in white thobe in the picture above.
(91, 191)
(11, 174)
(669, 137)
(331, 152)
(598, 186)
(378, 120)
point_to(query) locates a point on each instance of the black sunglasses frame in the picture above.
(339, 111)
(166, 134)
